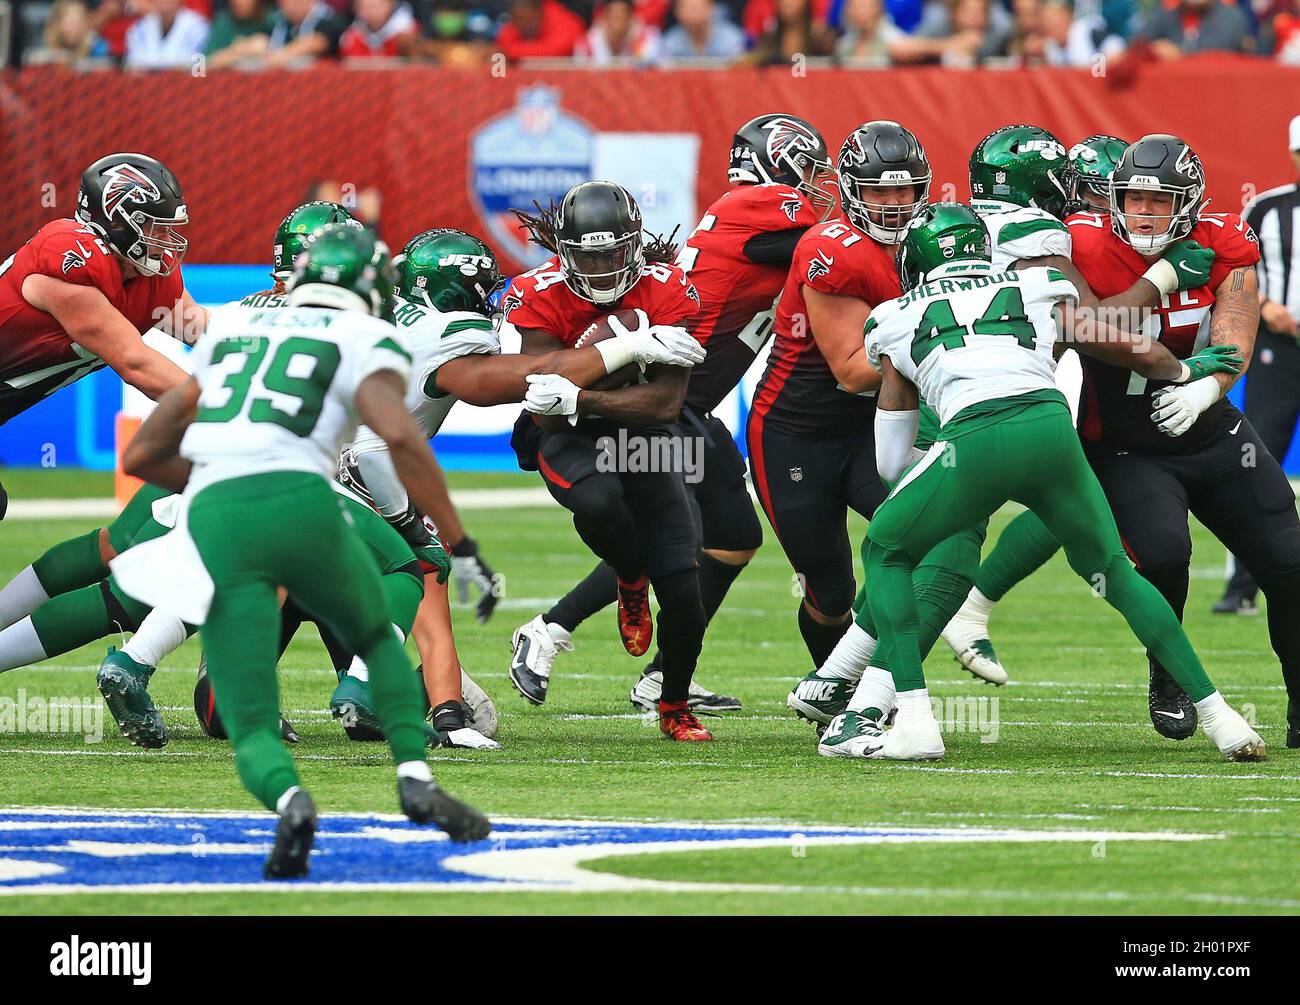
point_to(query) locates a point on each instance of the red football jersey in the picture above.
(542, 300)
(798, 392)
(737, 295)
(1115, 407)
(36, 357)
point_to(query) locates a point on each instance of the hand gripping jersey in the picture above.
(278, 387)
(1025, 232)
(973, 338)
(541, 300)
(798, 393)
(36, 356)
(1115, 409)
(737, 294)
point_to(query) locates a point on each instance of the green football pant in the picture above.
(941, 582)
(287, 529)
(1032, 456)
(1024, 546)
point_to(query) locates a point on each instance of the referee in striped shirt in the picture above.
(1273, 382)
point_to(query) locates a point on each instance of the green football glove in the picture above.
(1191, 264)
(432, 555)
(1211, 359)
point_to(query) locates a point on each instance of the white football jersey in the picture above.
(1023, 232)
(278, 387)
(972, 336)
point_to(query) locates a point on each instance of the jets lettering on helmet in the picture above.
(126, 183)
(468, 264)
(1049, 149)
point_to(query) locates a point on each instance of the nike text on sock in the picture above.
(415, 769)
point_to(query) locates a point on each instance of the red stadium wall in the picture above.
(247, 146)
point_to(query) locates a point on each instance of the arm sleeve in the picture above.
(895, 435)
(776, 247)
(379, 474)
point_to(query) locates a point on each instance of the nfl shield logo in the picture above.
(536, 151)
(1000, 178)
(796, 474)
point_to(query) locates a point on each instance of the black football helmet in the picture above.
(598, 238)
(882, 154)
(787, 150)
(136, 205)
(1159, 163)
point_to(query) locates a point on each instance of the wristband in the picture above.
(616, 352)
(1163, 277)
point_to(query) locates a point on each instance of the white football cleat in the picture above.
(467, 739)
(1232, 734)
(533, 649)
(851, 734)
(912, 740)
(967, 634)
(482, 712)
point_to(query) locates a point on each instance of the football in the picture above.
(600, 330)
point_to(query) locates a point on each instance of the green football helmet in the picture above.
(448, 270)
(1020, 166)
(1092, 162)
(344, 266)
(294, 230)
(943, 233)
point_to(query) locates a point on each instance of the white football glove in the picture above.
(620, 330)
(551, 394)
(667, 344)
(1174, 409)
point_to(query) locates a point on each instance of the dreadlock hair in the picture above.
(541, 227)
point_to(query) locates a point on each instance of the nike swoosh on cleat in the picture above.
(520, 660)
(1157, 711)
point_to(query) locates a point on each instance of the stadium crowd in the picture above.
(251, 34)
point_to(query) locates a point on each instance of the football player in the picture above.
(638, 522)
(738, 256)
(978, 346)
(79, 294)
(258, 471)
(1020, 187)
(809, 432)
(1092, 162)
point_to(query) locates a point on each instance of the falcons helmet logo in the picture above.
(126, 183)
(786, 137)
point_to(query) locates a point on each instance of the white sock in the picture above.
(1209, 705)
(875, 690)
(914, 706)
(159, 636)
(283, 801)
(358, 669)
(978, 604)
(850, 656)
(561, 636)
(20, 596)
(415, 769)
(20, 646)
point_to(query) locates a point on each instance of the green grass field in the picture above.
(1074, 752)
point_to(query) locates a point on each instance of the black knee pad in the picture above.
(731, 523)
(598, 498)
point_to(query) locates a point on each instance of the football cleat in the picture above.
(1172, 712)
(851, 734)
(205, 709)
(465, 738)
(967, 634)
(912, 740)
(1235, 603)
(424, 803)
(123, 682)
(1293, 723)
(820, 699)
(480, 712)
(294, 836)
(1233, 735)
(533, 649)
(678, 722)
(635, 623)
(647, 691)
(351, 704)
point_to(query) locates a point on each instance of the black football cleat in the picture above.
(1235, 603)
(1172, 712)
(1293, 723)
(294, 836)
(424, 803)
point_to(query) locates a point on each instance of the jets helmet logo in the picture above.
(125, 184)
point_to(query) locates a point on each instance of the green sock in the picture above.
(71, 620)
(397, 698)
(264, 766)
(1025, 545)
(70, 565)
